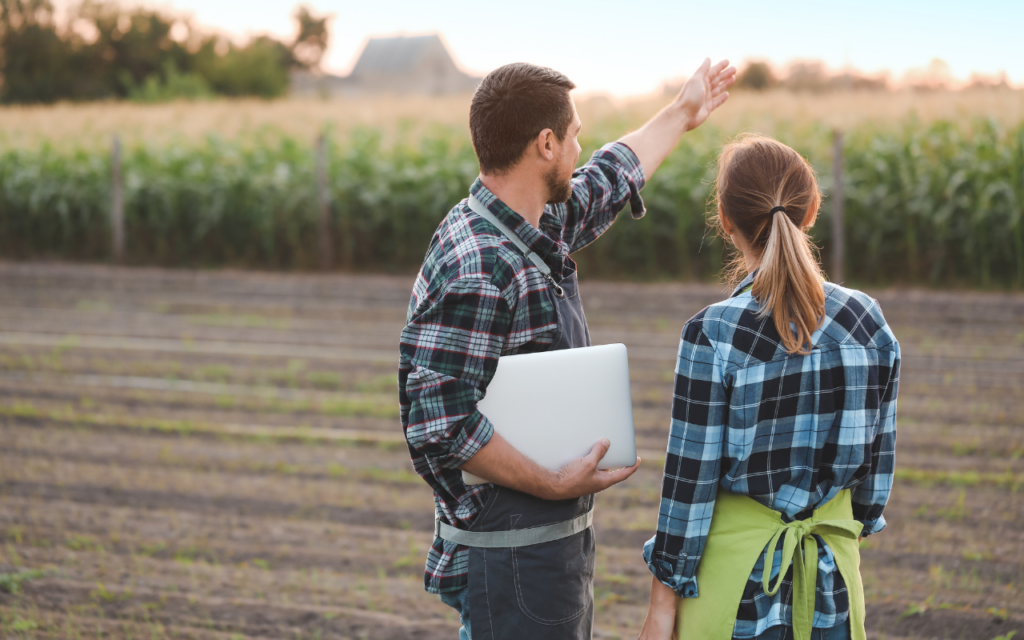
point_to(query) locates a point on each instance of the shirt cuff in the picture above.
(622, 155)
(873, 526)
(475, 433)
(665, 573)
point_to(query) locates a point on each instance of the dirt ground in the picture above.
(218, 455)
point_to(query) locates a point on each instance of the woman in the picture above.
(783, 429)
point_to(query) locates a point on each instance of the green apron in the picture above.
(741, 527)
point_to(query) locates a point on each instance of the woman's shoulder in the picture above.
(737, 325)
(718, 323)
(852, 317)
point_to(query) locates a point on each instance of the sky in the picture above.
(630, 47)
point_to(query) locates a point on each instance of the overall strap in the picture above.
(481, 210)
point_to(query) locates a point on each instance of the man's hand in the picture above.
(501, 463)
(705, 91)
(702, 94)
(581, 476)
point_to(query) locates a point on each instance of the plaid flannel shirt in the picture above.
(790, 431)
(477, 298)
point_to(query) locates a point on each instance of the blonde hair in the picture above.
(770, 194)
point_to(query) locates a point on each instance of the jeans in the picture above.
(459, 600)
(781, 632)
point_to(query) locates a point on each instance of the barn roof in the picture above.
(388, 56)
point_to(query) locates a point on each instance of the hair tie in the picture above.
(782, 209)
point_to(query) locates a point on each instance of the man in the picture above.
(498, 280)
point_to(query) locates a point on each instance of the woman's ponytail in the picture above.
(770, 194)
(788, 284)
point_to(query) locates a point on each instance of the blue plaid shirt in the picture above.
(477, 298)
(790, 431)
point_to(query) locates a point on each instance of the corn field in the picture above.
(934, 203)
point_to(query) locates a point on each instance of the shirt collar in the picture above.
(542, 245)
(744, 284)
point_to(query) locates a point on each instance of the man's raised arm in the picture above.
(617, 172)
(704, 92)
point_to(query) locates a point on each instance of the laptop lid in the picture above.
(554, 406)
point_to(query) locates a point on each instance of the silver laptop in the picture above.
(554, 406)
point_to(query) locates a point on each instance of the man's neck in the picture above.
(523, 194)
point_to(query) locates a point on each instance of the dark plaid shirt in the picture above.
(477, 298)
(790, 431)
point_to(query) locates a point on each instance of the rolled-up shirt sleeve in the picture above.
(870, 496)
(450, 353)
(692, 463)
(600, 190)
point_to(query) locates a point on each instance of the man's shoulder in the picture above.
(467, 248)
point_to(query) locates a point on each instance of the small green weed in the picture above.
(324, 380)
(11, 582)
(152, 549)
(379, 384)
(80, 542)
(214, 373)
(20, 624)
(958, 511)
(916, 609)
(100, 306)
(102, 593)
(186, 555)
(999, 614)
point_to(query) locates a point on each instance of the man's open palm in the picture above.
(705, 91)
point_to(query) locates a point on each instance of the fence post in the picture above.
(116, 200)
(838, 241)
(326, 246)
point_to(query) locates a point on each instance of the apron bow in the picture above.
(805, 564)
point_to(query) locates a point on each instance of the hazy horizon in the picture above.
(622, 50)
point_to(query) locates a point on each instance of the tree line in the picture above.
(100, 50)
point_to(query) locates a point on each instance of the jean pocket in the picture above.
(554, 580)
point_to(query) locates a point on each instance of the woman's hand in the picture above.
(661, 615)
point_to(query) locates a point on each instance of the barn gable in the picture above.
(398, 65)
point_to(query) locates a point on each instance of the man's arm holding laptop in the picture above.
(452, 350)
(501, 463)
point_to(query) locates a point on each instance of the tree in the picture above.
(757, 76)
(131, 53)
(311, 41)
(33, 56)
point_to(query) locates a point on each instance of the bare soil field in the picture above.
(218, 455)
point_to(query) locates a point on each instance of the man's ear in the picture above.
(546, 144)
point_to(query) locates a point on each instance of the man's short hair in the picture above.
(511, 106)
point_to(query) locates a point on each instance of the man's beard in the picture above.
(559, 190)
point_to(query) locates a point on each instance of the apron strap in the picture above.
(516, 537)
(481, 210)
(805, 564)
